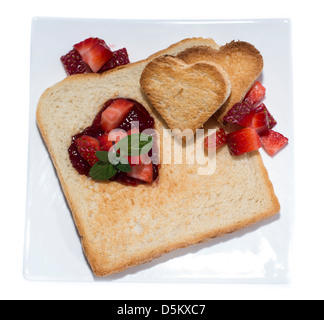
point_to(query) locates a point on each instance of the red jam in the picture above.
(137, 113)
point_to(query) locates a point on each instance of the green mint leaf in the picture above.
(102, 156)
(102, 171)
(124, 167)
(122, 160)
(135, 144)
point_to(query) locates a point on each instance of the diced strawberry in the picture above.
(107, 140)
(260, 122)
(241, 114)
(142, 172)
(94, 52)
(115, 114)
(87, 147)
(214, 141)
(256, 94)
(139, 160)
(73, 63)
(104, 142)
(263, 108)
(273, 142)
(243, 141)
(85, 46)
(119, 58)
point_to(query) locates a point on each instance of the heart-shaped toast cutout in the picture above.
(186, 96)
(241, 61)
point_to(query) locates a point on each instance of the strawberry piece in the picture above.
(115, 114)
(142, 172)
(107, 140)
(119, 58)
(243, 141)
(87, 147)
(255, 94)
(214, 141)
(263, 108)
(273, 142)
(260, 122)
(94, 52)
(73, 63)
(85, 46)
(105, 143)
(241, 114)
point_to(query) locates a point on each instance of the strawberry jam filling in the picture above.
(138, 114)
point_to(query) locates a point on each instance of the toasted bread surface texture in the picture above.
(122, 226)
(186, 96)
(242, 62)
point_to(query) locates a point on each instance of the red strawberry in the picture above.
(263, 108)
(85, 46)
(142, 172)
(256, 94)
(242, 141)
(73, 63)
(260, 122)
(94, 52)
(119, 58)
(115, 114)
(104, 142)
(215, 140)
(273, 141)
(107, 140)
(87, 147)
(241, 114)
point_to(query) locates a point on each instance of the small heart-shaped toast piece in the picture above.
(242, 62)
(185, 95)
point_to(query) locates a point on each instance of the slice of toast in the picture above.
(186, 96)
(241, 60)
(121, 226)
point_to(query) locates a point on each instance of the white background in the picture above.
(307, 259)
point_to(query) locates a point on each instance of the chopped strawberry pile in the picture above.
(93, 55)
(256, 122)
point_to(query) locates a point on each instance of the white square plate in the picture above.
(258, 254)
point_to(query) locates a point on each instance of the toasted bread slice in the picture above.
(122, 226)
(186, 96)
(242, 62)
